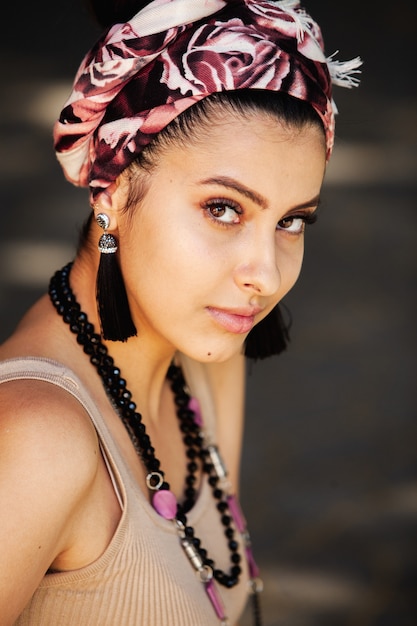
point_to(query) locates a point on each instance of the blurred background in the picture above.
(329, 479)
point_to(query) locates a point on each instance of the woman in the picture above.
(202, 129)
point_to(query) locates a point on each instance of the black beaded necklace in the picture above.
(199, 453)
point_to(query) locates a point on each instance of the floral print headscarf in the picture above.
(142, 74)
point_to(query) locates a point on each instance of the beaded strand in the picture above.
(199, 453)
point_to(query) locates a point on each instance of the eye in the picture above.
(223, 211)
(295, 224)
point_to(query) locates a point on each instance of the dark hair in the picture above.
(195, 123)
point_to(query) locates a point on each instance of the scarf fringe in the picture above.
(343, 72)
(303, 22)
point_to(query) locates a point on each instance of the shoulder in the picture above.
(48, 461)
(49, 425)
(45, 421)
(48, 448)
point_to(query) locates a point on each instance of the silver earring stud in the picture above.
(103, 220)
(107, 243)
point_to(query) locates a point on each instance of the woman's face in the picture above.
(218, 239)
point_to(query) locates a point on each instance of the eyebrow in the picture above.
(231, 183)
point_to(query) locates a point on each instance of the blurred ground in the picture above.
(329, 478)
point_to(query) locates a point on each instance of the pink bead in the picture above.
(194, 406)
(165, 503)
(215, 599)
(236, 512)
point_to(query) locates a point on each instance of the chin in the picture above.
(216, 354)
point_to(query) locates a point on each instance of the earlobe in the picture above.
(109, 202)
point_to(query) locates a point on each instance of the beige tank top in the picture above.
(143, 578)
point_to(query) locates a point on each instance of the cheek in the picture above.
(290, 261)
(163, 255)
(188, 245)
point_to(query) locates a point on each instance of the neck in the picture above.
(164, 500)
(142, 360)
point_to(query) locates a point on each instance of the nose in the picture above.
(258, 271)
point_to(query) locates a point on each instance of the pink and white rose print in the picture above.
(130, 86)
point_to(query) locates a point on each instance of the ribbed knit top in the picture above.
(143, 578)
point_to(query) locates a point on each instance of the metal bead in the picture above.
(217, 461)
(154, 480)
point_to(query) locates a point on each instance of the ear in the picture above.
(111, 201)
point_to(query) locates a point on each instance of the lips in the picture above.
(238, 321)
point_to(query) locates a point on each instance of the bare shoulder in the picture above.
(50, 423)
(46, 420)
(48, 461)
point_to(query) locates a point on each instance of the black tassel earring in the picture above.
(113, 305)
(269, 337)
